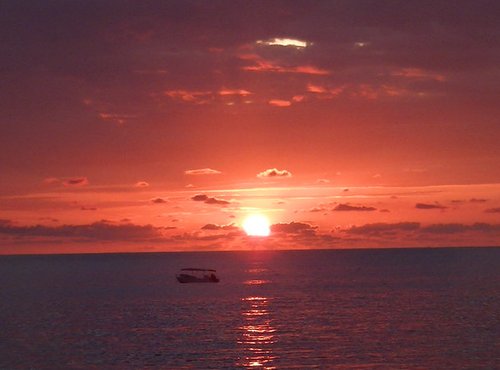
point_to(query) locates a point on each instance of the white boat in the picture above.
(197, 275)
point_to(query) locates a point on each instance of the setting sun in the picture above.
(257, 225)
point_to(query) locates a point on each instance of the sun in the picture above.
(257, 225)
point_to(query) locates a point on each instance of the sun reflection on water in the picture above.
(257, 334)
(256, 282)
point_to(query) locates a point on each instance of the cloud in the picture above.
(208, 200)
(76, 181)
(118, 119)
(231, 92)
(414, 230)
(69, 182)
(203, 97)
(293, 228)
(280, 103)
(383, 228)
(419, 74)
(158, 201)
(216, 201)
(318, 209)
(51, 181)
(199, 97)
(262, 65)
(83, 208)
(141, 184)
(454, 228)
(101, 230)
(348, 207)
(324, 92)
(429, 206)
(492, 210)
(273, 172)
(220, 227)
(202, 171)
(285, 42)
(476, 200)
(199, 198)
(322, 181)
(316, 89)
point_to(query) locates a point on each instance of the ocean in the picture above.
(324, 309)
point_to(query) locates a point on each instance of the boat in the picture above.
(197, 275)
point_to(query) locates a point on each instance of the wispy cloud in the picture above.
(492, 210)
(231, 227)
(322, 181)
(418, 73)
(209, 200)
(460, 228)
(348, 207)
(88, 232)
(67, 181)
(263, 66)
(415, 230)
(231, 92)
(158, 201)
(285, 42)
(429, 206)
(75, 181)
(478, 200)
(116, 118)
(202, 171)
(141, 184)
(274, 172)
(280, 103)
(83, 208)
(383, 228)
(192, 96)
(293, 228)
(260, 64)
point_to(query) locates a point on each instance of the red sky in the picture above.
(158, 126)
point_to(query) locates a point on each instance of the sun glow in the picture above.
(257, 225)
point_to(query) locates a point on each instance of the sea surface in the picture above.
(335, 309)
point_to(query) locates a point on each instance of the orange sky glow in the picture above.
(164, 127)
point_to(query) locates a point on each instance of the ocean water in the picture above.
(336, 309)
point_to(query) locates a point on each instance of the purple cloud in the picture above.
(76, 181)
(83, 208)
(461, 228)
(199, 197)
(383, 228)
(293, 228)
(217, 201)
(158, 201)
(348, 207)
(429, 206)
(220, 227)
(492, 210)
(209, 200)
(478, 200)
(101, 230)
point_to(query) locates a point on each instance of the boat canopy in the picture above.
(197, 269)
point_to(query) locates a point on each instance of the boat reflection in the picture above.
(257, 334)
